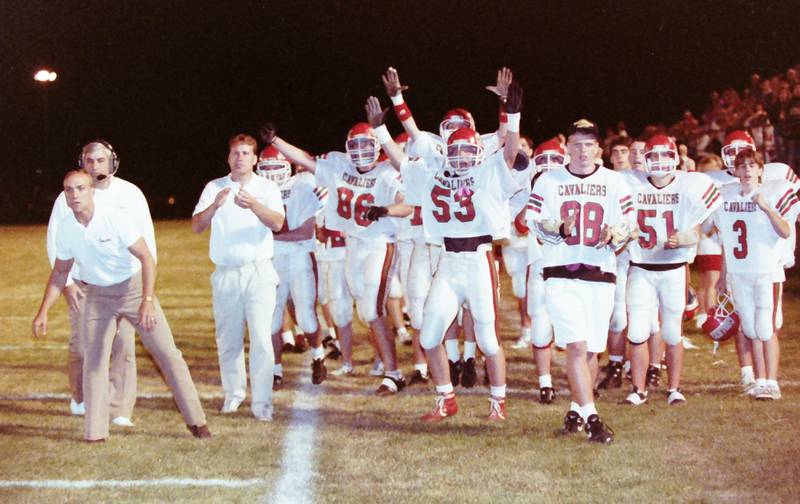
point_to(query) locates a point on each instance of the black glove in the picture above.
(267, 133)
(514, 98)
(376, 212)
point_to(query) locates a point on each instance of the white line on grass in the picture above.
(297, 458)
(31, 346)
(84, 484)
(43, 396)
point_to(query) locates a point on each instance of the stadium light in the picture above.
(44, 75)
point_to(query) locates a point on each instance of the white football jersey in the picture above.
(351, 193)
(749, 241)
(600, 198)
(301, 201)
(782, 171)
(459, 207)
(677, 207)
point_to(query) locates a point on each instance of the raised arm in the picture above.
(376, 118)
(513, 107)
(295, 155)
(394, 90)
(504, 79)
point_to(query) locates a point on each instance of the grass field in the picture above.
(720, 447)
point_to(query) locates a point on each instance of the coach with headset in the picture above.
(101, 162)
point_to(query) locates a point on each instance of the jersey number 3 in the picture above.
(740, 227)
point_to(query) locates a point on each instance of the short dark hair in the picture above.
(585, 127)
(746, 154)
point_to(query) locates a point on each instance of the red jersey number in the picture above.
(740, 227)
(588, 222)
(345, 206)
(465, 212)
(647, 233)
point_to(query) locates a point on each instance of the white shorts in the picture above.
(580, 311)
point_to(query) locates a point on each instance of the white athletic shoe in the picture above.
(749, 387)
(230, 406)
(675, 397)
(77, 409)
(521, 343)
(404, 337)
(345, 370)
(775, 391)
(377, 368)
(122, 421)
(636, 398)
(699, 320)
(767, 393)
(688, 345)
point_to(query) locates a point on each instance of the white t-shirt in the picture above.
(474, 204)
(351, 193)
(679, 206)
(121, 194)
(301, 201)
(101, 247)
(238, 237)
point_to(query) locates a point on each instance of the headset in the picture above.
(114, 156)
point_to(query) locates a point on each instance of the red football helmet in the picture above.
(735, 142)
(272, 165)
(723, 321)
(454, 119)
(549, 155)
(362, 145)
(660, 155)
(464, 150)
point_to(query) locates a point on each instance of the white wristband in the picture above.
(513, 122)
(397, 99)
(383, 134)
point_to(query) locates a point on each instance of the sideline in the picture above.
(85, 484)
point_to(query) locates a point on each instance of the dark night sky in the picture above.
(168, 82)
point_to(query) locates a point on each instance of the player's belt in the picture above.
(579, 271)
(658, 267)
(469, 244)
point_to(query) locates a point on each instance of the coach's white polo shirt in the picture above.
(238, 237)
(120, 194)
(101, 247)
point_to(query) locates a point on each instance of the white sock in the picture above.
(278, 370)
(332, 332)
(297, 330)
(396, 374)
(402, 332)
(545, 380)
(573, 406)
(422, 368)
(498, 392)
(470, 348)
(451, 347)
(444, 389)
(747, 374)
(616, 358)
(588, 410)
(525, 333)
(317, 353)
(287, 337)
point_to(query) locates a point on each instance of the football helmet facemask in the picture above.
(272, 165)
(735, 142)
(362, 145)
(723, 321)
(661, 155)
(464, 150)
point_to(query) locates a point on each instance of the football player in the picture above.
(356, 180)
(460, 200)
(755, 215)
(294, 258)
(670, 205)
(584, 213)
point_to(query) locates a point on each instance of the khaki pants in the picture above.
(123, 362)
(105, 306)
(245, 295)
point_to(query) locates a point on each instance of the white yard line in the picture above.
(295, 484)
(166, 482)
(31, 346)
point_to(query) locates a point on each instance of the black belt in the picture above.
(658, 267)
(579, 271)
(469, 244)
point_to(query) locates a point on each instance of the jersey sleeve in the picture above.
(501, 177)
(705, 197)
(427, 146)
(330, 167)
(787, 204)
(415, 173)
(540, 213)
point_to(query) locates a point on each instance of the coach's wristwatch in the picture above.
(149, 299)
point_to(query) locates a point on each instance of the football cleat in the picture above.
(345, 370)
(597, 431)
(547, 395)
(613, 377)
(198, 431)
(636, 398)
(232, 404)
(377, 368)
(418, 378)
(446, 406)
(455, 372)
(572, 423)
(390, 386)
(468, 374)
(277, 382)
(497, 409)
(334, 354)
(653, 379)
(299, 344)
(404, 337)
(318, 371)
(675, 397)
